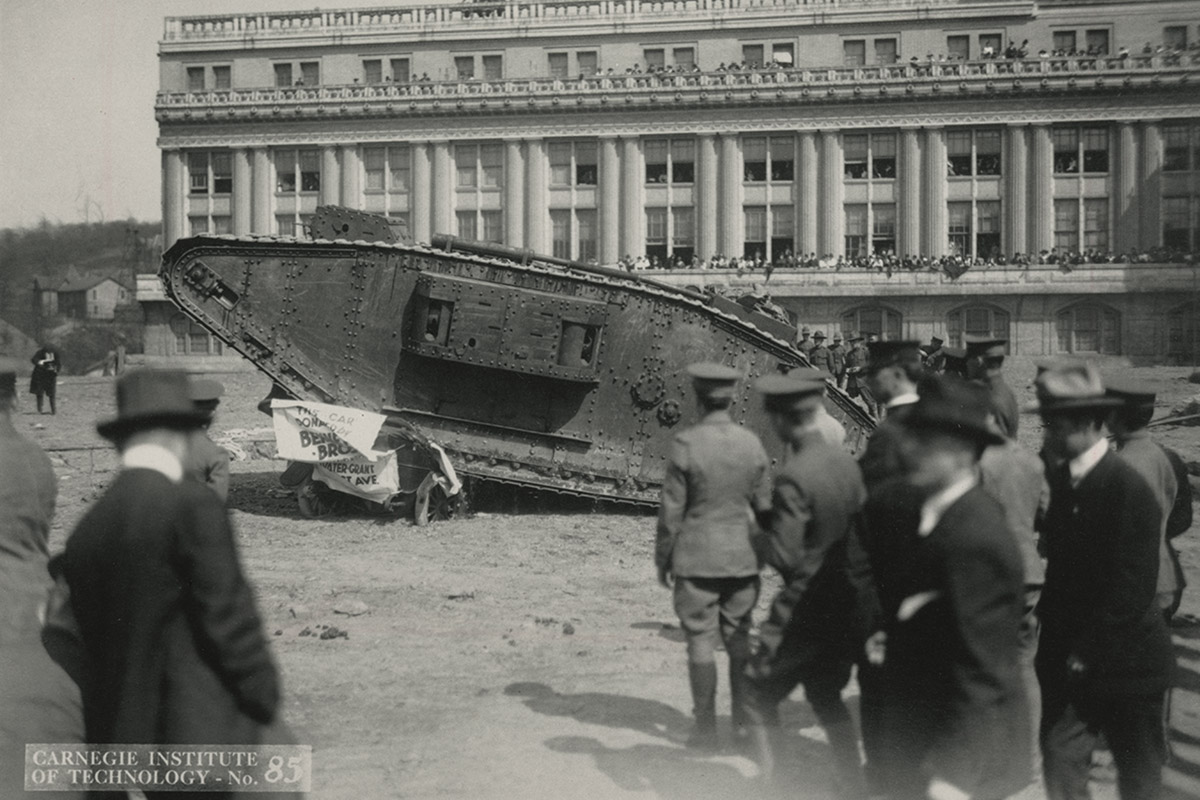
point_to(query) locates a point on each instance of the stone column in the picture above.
(633, 212)
(1149, 195)
(174, 218)
(807, 177)
(241, 190)
(730, 240)
(441, 195)
(351, 170)
(706, 196)
(331, 176)
(514, 193)
(935, 236)
(610, 201)
(1127, 227)
(420, 198)
(263, 191)
(908, 216)
(1041, 191)
(832, 236)
(1016, 190)
(537, 209)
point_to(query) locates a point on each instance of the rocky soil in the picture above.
(522, 652)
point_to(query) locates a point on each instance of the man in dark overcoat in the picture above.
(717, 478)
(893, 374)
(985, 363)
(813, 636)
(174, 642)
(43, 382)
(955, 712)
(1104, 658)
(207, 462)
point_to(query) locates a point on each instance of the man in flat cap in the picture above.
(819, 356)
(1104, 657)
(837, 357)
(813, 635)
(716, 479)
(805, 344)
(985, 363)
(38, 701)
(955, 710)
(206, 462)
(1166, 473)
(174, 641)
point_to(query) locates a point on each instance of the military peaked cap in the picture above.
(711, 379)
(782, 392)
(1129, 392)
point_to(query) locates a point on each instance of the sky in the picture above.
(77, 104)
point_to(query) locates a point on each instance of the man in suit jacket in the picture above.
(206, 462)
(985, 363)
(1104, 659)
(717, 477)
(955, 710)
(812, 637)
(893, 374)
(174, 642)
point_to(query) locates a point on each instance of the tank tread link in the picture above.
(526, 370)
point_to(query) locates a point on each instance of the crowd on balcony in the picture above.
(890, 263)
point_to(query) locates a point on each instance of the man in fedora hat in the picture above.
(819, 356)
(985, 363)
(175, 645)
(206, 462)
(1166, 473)
(954, 712)
(1104, 657)
(717, 477)
(813, 635)
(837, 357)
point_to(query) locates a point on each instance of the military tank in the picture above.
(527, 370)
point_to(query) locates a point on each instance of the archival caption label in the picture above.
(166, 768)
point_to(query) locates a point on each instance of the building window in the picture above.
(752, 54)
(854, 52)
(668, 160)
(1181, 147)
(198, 173)
(754, 159)
(559, 65)
(872, 155)
(585, 224)
(987, 236)
(1181, 221)
(493, 68)
(283, 75)
(195, 79)
(1095, 224)
(493, 226)
(655, 152)
(986, 321)
(466, 166)
(655, 58)
(973, 153)
(958, 47)
(491, 165)
(401, 72)
(783, 54)
(589, 63)
(387, 169)
(683, 235)
(775, 157)
(1064, 41)
(210, 175)
(466, 224)
(683, 161)
(1183, 333)
(1089, 328)
(1097, 41)
(990, 45)
(854, 155)
(372, 71)
(684, 57)
(886, 51)
(310, 73)
(883, 155)
(873, 320)
(856, 230)
(755, 245)
(464, 67)
(304, 163)
(1076, 146)
(560, 233)
(573, 164)
(1066, 225)
(883, 228)
(191, 338)
(656, 236)
(783, 231)
(1175, 37)
(222, 77)
(960, 228)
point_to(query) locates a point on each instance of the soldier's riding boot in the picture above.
(738, 697)
(703, 678)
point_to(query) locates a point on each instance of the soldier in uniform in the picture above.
(985, 363)
(1104, 658)
(837, 357)
(206, 462)
(716, 480)
(856, 363)
(819, 356)
(955, 711)
(1164, 471)
(805, 344)
(934, 356)
(813, 636)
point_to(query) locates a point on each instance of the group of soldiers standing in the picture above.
(1002, 609)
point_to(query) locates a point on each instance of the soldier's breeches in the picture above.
(713, 610)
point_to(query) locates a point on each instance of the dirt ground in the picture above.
(522, 652)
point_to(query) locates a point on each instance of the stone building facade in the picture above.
(597, 129)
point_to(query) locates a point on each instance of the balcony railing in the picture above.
(372, 20)
(918, 79)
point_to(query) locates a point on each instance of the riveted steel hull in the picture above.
(560, 377)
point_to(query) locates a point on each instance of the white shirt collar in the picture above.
(1086, 461)
(905, 399)
(155, 457)
(936, 505)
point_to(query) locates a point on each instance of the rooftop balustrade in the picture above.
(283, 24)
(920, 79)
